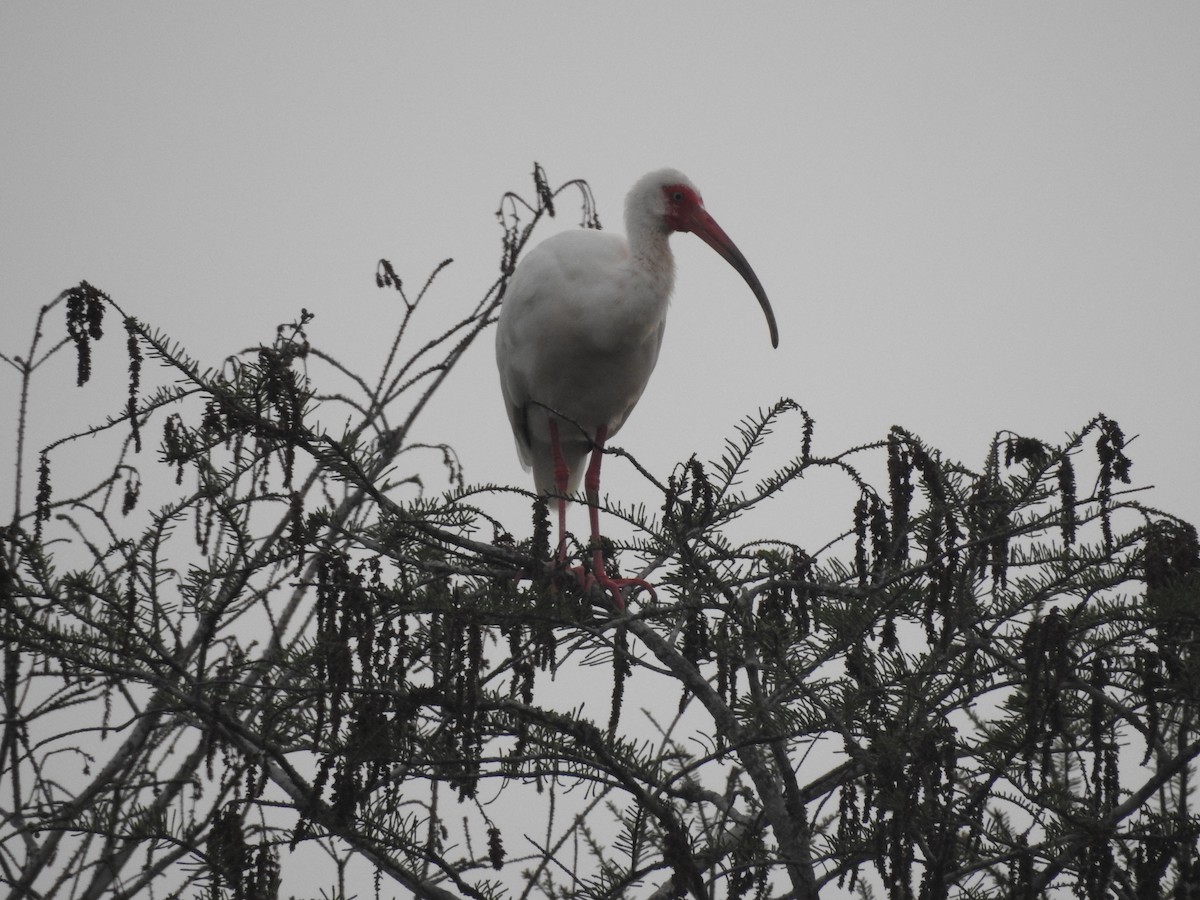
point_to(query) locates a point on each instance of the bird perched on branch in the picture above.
(579, 333)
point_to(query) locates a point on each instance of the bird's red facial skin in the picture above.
(682, 204)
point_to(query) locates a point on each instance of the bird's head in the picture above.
(663, 201)
(666, 201)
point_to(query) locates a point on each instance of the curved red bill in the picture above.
(706, 228)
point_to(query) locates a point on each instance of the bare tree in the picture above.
(982, 686)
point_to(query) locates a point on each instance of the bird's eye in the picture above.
(677, 196)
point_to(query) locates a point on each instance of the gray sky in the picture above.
(968, 217)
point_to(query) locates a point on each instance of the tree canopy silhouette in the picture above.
(981, 685)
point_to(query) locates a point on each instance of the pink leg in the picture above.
(591, 484)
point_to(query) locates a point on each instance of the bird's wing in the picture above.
(652, 361)
(545, 298)
(518, 418)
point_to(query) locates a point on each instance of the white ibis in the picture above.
(579, 333)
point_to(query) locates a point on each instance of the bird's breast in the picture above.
(581, 326)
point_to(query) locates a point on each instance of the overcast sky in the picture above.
(969, 217)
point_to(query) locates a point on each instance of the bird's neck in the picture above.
(650, 252)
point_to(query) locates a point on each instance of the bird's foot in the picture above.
(613, 585)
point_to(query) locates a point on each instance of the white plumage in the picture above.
(581, 326)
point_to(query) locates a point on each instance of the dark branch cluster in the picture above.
(85, 320)
(985, 683)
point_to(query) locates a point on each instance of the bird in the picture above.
(580, 327)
